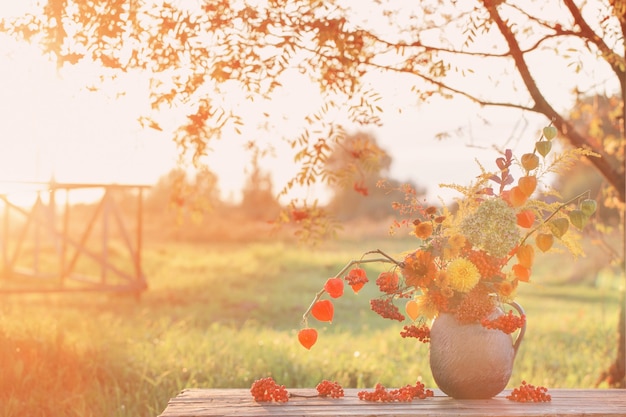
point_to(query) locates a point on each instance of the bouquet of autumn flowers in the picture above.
(471, 259)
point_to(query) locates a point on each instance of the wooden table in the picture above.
(239, 402)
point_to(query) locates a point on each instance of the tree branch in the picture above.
(615, 178)
(615, 61)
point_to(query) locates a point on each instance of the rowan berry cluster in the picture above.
(528, 393)
(266, 389)
(421, 333)
(508, 323)
(474, 306)
(388, 282)
(386, 309)
(404, 394)
(488, 266)
(329, 389)
(356, 278)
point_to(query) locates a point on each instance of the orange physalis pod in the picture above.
(307, 337)
(334, 287)
(323, 310)
(517, 197)
(527, 184)
(356, 278)
(525, 218)
(412, 309)
(521, 272)
(356, 287)
(544, 241)
(525, 255)
(530, 161)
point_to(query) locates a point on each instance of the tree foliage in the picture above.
(362, 188)
(493, 52)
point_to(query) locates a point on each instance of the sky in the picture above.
(53, 127)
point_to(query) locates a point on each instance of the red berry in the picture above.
(356, 278)
(529, 393)
(329, 389)
(508, 323)
(404, 394)
(386, 309)
(388, 282)
(266, 389)
(421, 333)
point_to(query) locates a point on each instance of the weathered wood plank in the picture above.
(239, 402)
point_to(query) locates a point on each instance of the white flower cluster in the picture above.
(492, 227)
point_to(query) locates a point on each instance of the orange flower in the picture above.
(424, 230)
(457, 241)
(419, 269)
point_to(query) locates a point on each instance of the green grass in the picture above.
(223, 315)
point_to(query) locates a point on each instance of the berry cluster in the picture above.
(388, 282)
(356, 279)
(528, 393)
(508, 323)
(404, 394)
(421, 333)
(266, 389)
(474, 306)
(488, 266)
(329, 389)
(386, 309)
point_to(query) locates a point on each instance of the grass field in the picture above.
(225, 315)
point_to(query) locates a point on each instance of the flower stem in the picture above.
(386, 259)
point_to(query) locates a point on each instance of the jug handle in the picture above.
(522, 330)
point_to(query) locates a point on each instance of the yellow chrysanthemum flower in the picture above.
(462, 275)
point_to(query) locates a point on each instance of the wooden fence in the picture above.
(52, 247)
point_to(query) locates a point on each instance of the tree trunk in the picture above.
(615, 374)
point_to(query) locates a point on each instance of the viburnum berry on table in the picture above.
(404, 394)
(329, 389)
(267, 390)
(527, 393)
